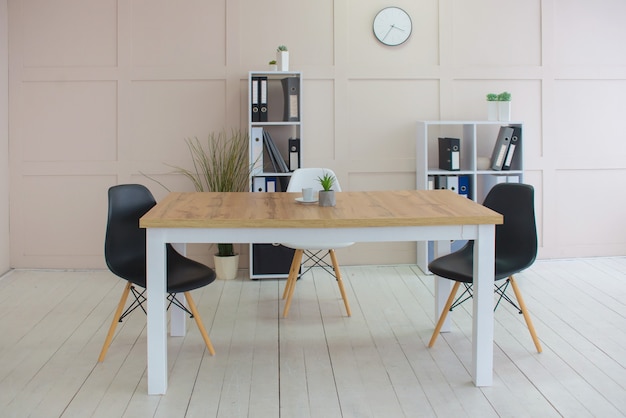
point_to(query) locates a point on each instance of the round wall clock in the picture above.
(392, 26)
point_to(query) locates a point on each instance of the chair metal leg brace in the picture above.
(293, 277)
(116, 319)
(522, 308)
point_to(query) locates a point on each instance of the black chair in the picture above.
(516, 250)
(125, 255)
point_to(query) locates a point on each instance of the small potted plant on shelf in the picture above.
(492, 106)
(220, 165)
(504, 106)
(273, 65)
(282, 56)
(327, 194)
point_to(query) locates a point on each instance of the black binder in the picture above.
(294, 154)
(450, 154)
(263, 99)
(254, 102)
(500, 149)
(514, 148)
(291, 92)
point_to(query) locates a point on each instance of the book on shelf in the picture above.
(291, 93)
(500, 149)
(514, 144)
(278, 162)
(450, 154)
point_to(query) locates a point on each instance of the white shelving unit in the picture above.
(271, 260)
(477, 140)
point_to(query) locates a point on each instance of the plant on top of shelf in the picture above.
(505, 96)
(272, 62)
(492, 97)
(282, 57)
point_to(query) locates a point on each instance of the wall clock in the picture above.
(392, 26)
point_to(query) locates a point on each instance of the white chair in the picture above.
(301, 178)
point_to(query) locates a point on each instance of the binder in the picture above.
(450, 154)
(263, 99)
(431, 183)
(441, 182)
(270, 184)
(464, 186)
(452, 183)
(254, 102)
(256, 150)
(516, 140)
(258, 184)
(267, 140)
(501, 147)
(291, 93)
(294, 154)
(280, 166)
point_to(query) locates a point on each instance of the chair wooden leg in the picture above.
(291, 280)
(444, 314)
(522, 305)
(293, 273)
(116, 319)
(196, 316)
(333, 257)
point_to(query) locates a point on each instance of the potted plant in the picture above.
(220, 165)
(327, 194)
(504, 106)
(273, 65)
(492, 106)
(282, 56)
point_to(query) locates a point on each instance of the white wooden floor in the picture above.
(318, 362)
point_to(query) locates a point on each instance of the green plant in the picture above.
(505, 96)
(492, 97)
(272, 62)
(281, 48)
(326, 181)
(219, 165)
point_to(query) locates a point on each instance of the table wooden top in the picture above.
(353, 209)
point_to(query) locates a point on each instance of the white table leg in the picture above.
(157, 323)
(178, 317)
(482, 332)
(442, 286)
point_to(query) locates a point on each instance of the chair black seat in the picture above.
(459, 265)
(125, 244)
(515, 239)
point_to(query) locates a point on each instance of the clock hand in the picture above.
(390, 28)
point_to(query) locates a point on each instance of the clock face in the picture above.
(392, 26)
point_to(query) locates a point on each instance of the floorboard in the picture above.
(318, 362)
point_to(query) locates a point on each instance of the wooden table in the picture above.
(377, 216)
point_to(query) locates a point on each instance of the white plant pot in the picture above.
(282, 58)
(504, 111)
(226, 267)
(273, 67)
(492, 110)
